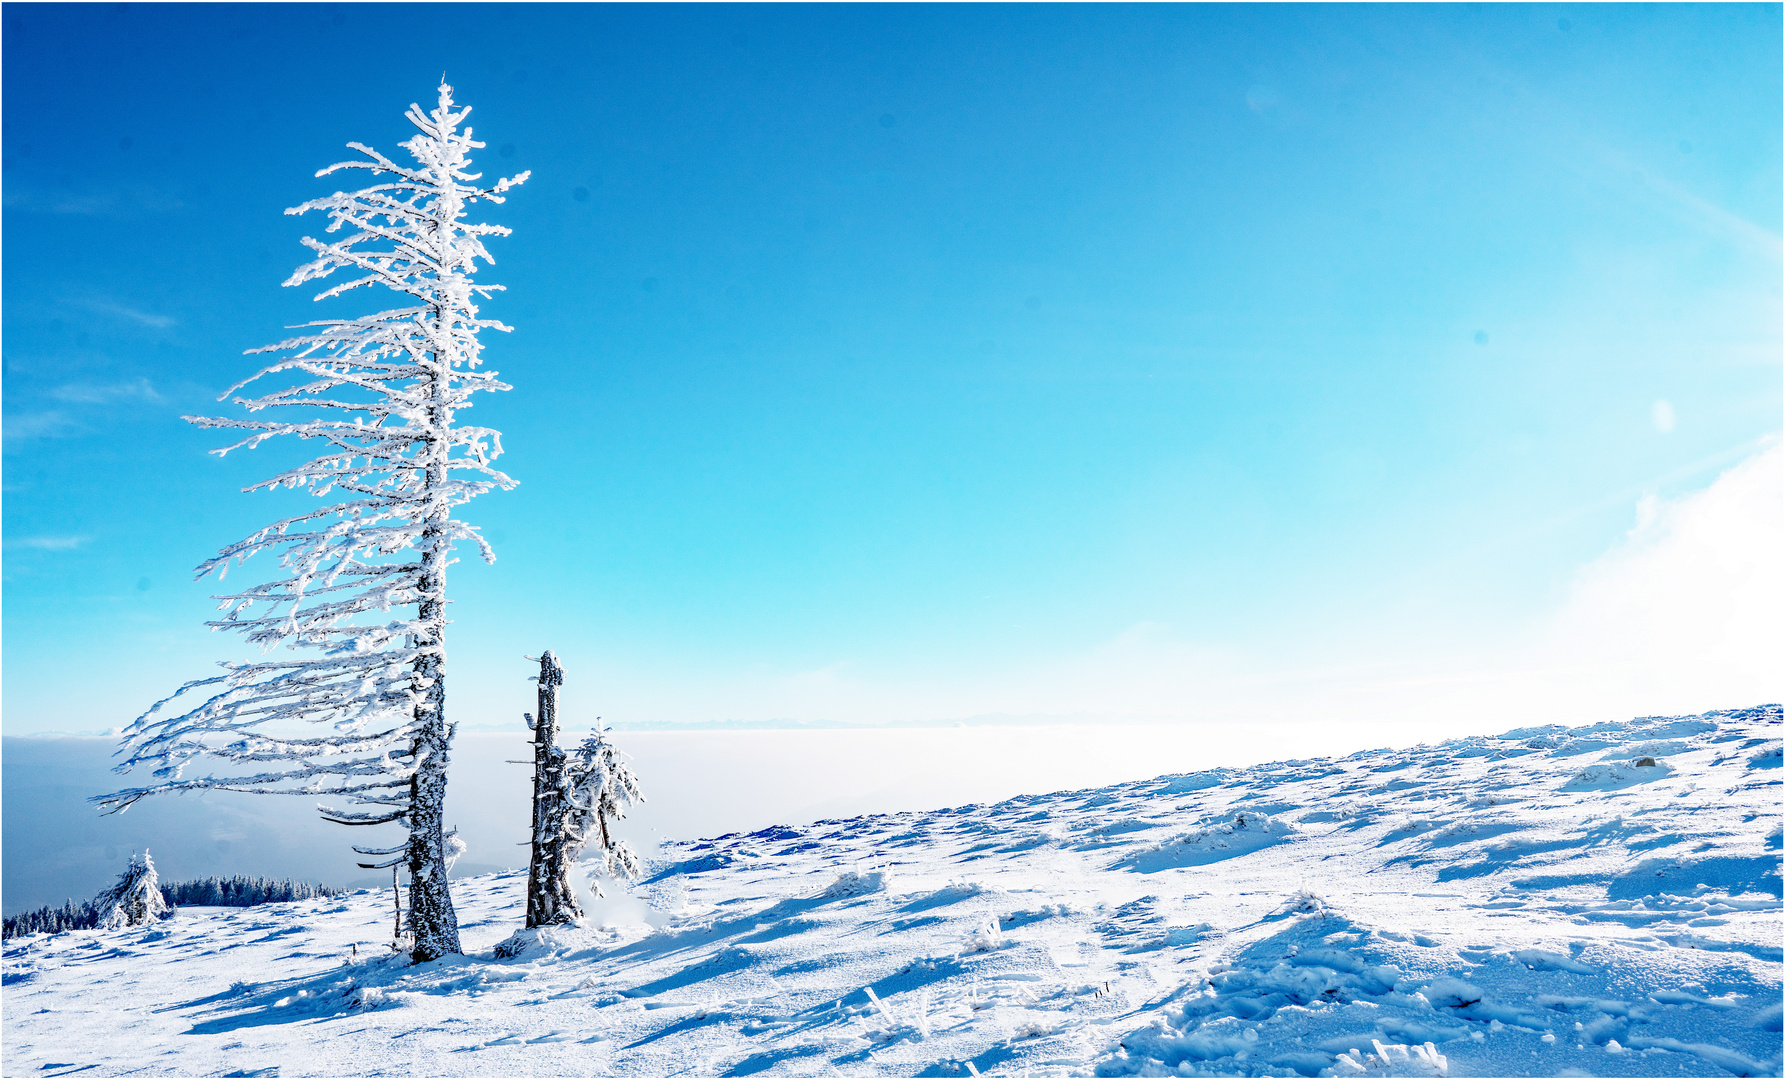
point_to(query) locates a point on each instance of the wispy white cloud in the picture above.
(1684, 613)
(49, 424)
(1585, 149)
(48, 543)
(145, 318)
(105, 393)
(46, 202)
(1712, 218)
(91, 203)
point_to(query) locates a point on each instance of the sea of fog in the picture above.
(697, 783)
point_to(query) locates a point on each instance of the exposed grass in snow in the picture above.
(1533, 905)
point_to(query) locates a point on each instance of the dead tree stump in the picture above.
(551, 900)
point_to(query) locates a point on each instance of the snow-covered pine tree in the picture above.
(363, 577)
(136, 899)
(599, 788)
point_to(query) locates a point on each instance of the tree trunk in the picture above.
(551, 901)
(432, 922)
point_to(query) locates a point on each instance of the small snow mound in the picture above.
(1771, 1018)
(1187, 935)
(369, 997)
(953, 893)
(541, 941)
(1013, 919)
(1249, 1015)
(514, 945)
(1612, 775)
(1539, 732)
(1583, 746)
(1223, 838)
(987, 938)
(1450, 992)
(1304, 903)
(850, 883)
(1196, 781)
(1393, 1059)
(1683, 728)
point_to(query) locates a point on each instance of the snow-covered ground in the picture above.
(1588, 901)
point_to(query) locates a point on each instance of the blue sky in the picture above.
(881, 364)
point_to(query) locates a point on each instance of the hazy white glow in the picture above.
(1686, 609)
(1678, 616)
(697, 783)
(1662, 413)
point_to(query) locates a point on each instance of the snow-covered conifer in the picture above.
(136, 899)
(599, 788)
(362, 582)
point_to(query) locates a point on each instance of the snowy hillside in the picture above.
(1588, 901)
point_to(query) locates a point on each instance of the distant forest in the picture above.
(204, 892)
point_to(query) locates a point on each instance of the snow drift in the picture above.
(1470, 908)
